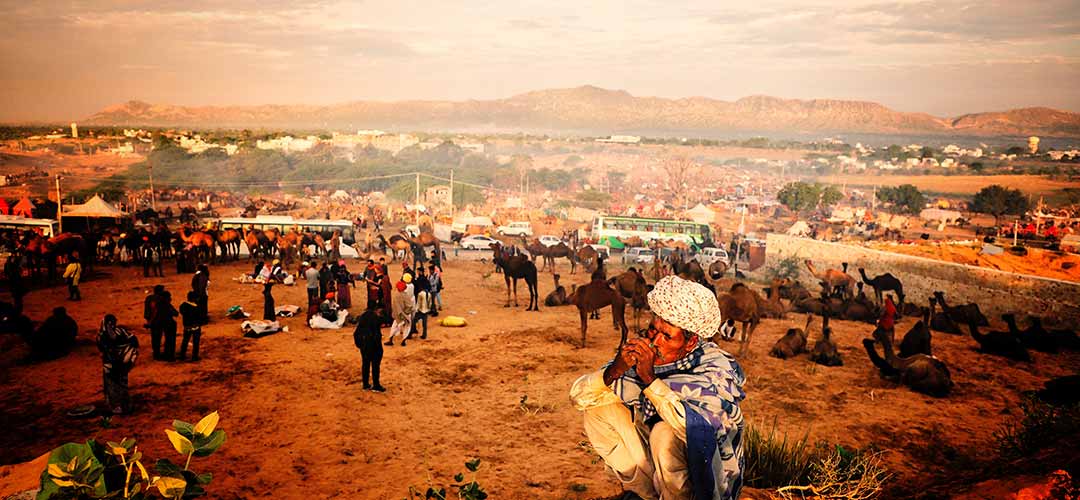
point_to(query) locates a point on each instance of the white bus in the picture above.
(46, 227)
(610, 230)
(286, 223)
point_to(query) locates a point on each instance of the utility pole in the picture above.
(451, 195)
(59, 206)
(417, 207)
(153, 202)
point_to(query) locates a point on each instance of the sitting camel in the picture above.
(917, 340)
(793, 342)
(772, 307)
(941, 322)
(963, 314)
(559, 297)
(1032, 338)
(594, 296)
(925, 374)
(825, 351)
(999, 343)
(860, 308)
(741, 304)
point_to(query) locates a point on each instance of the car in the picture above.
(709, 255)
(515, 229)
(549, 241)
(477, 242)
(638, 255)
(602, 249)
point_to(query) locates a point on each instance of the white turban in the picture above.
(686, 305)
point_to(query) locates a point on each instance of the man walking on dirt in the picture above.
(72, 275)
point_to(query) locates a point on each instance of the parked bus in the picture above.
(46, 227)
(286, 223)
(608, 230)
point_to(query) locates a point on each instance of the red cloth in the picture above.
(888, 316)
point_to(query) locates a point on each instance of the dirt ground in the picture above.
(1058, 265)
(963, 185)
(78, 170)
(299, 425)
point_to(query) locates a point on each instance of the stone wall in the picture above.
(995, 291)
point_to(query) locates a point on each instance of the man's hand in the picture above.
(645, 355)
(624, 360)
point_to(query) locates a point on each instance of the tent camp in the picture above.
(701, 214)
(95, 208)
(938, 214)
(24, 208)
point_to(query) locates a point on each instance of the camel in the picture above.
(536, 249)
(588, 257)
(884, 283)
(398, 243)
(741, 304)
(198, 240)
(1032, 338)
(632, 285)
(1063, 337)
(964, 314)
(772, 307)
(560, 250)
(917, 340)
(427, 239)
(922, 373)
(860, 308)
(941, 322)
(834, 280)
(559, 297)
(793, 342)
(514, 268)
(825, 351)
(229, 241)
(595, 296)
(1002, 344)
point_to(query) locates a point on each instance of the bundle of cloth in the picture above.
(260, 328)
(321, 322)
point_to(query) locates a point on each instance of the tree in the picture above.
(905, 198)
(680, 172)
(998, 200)
(799, 196)
(828, 196)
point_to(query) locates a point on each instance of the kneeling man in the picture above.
(664, 414)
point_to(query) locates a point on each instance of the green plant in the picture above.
(1041, 425)
(91, 470)
(773, 461)
(466, 490)
(786, 268)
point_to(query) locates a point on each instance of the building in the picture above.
(74, 130)
(436, 196)
(288, 144)
(622, 139)
(1033, 145)
(377, 139)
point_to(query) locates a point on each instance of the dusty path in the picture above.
(301, 427)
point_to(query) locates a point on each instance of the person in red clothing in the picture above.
(887, 321)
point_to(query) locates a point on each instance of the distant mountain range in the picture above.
(600, 111)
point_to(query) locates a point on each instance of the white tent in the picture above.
(95, 207)
(800, 228)
(945, 216)
(701, 214)
(340, 195)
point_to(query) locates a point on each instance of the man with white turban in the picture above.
(664, 414)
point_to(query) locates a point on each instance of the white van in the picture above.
(515, 229)
(709, 255)
(638, 255)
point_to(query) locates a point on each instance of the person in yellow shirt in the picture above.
(72, 274)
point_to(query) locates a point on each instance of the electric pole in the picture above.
(59, 206)
(417, 208)
(153, 202)
(451, 195)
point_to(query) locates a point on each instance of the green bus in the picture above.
(610, 230)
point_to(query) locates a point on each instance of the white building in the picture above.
(288, 144)
(622, 139)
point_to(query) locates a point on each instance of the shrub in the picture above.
(788, 268)
(91, 470)
(773, 461)
(1041, 425)
(470, 490)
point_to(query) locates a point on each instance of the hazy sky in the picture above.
(66, 59)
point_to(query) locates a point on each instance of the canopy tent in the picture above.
(4, 208)
(95, 208)
(940, 215)
(24, 208)
(701, 214)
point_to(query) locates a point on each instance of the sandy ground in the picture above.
(79, 170)
(300, 426)
(965, 185)
(1058, 265)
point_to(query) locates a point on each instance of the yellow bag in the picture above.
(453, 321)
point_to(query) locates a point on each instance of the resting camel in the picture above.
(772, 307)
(941, 322)
(1032, 338)
(967, 313)
(999, 343)
(559, 297)
(834, 280)
(631, 285)
(741, 304)
(922, 373)
(1063, 337)
(793, 342)
(859, 308)
(514, 268)
(595, 296)
(825, 351)
(885, 283)
(917, 340)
